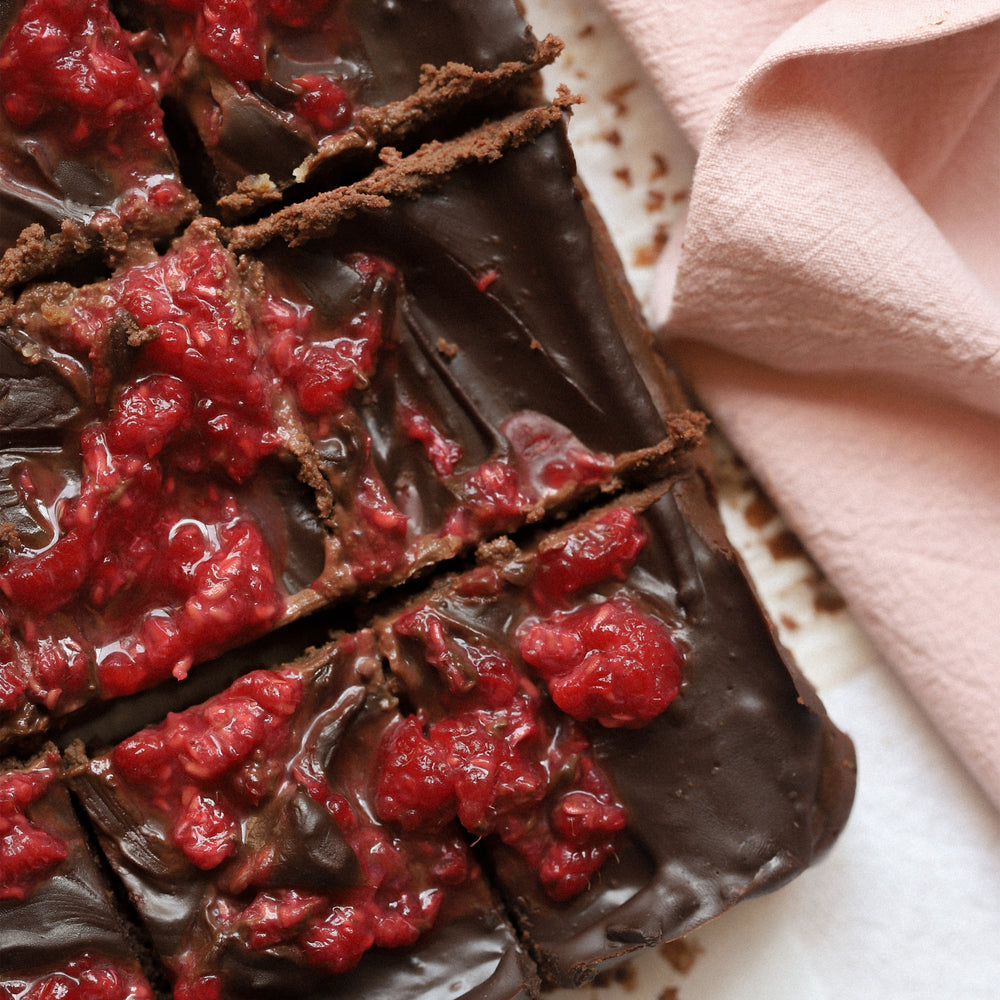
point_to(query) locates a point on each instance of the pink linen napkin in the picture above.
(836, 303)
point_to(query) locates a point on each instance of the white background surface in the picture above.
(907, 904)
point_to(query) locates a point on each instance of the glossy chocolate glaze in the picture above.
(472, 341)
(740, 785)
(377, 50)
(541, 334)
(470, 950)
(477, 336)
(61, 200)
(70, 911)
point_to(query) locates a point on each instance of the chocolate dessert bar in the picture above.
(271, 90)
(59, 932)
(246, 833)
(605, 716)
(84, 159)
(228, 444)
(612, 715)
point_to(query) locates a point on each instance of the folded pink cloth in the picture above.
(836, 303)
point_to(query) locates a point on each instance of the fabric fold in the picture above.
(836, 304)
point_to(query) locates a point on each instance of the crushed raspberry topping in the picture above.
(546, 458)
(222, 777)
(491, 500)
(205, 768)
(323, 102)
(499, 762)
(28, 853)
(323, 362)
(68, 66)
(607, 661)
(550, 457)
(442, 452)
(375, 539)
(228, 33)
(602, 548)
(229, 733)
(236, 35)
(87, 977)
(152, 557)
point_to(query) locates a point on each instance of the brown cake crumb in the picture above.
(9, 538)
(655, 200)
(447, 348)
(660, 167)
(760, 511)
(648, 255)
(616, 96)
(785, 545)
(681, 954)
(401, 177)
(828, 600)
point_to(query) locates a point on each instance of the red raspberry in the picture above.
(278, 916)
(228, 32)
(494, 499)
(607, 661)
(337, 941)
(550, 457)
(68, 65)
(602, 549)
(205, 831)
(27, 854)
(442, 452)
(322, 102)
(416, 782)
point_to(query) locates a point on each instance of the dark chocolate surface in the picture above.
(70, 911)
(472, 340)
(537, 336)
(469, 951)
(737, 787)
(376, 50)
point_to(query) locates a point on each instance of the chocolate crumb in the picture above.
(9, 538)
(655, 200)
(682, 195)
(670, 993)
(617, 95)
(612, 137)
(624, 175)
(447, 348)
(649, 254)
(660, 167)
(681, 954)
(785, 545)
(603, 979)
(826, 599)
(789, 622)
(586, 31)
(760, 511)
(625, 975)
